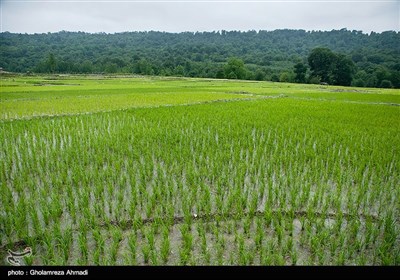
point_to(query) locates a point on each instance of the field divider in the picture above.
(127, 224)
(229, 216)
(346, 101)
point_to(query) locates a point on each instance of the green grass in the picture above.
(311, 177)
(27, 97)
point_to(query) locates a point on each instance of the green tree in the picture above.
(232, 75)
(372, 81)
(179, 71)
(342, 71)
(144, 67)
(300, 70)
(235, 69)
(259, 75)
(111, 67)
(286, 77)
(86, 67)
(220, 73)
(358, 83)
(51, 63)
(332, 68)
(395, 78)
(275, 78)
(315, 80)
(386, 84)
(321, 61)
(382, 73)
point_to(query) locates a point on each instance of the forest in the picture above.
(339, 57)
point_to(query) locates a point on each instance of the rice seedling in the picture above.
(242, 170)
(259, 235)
(241, 250)
(165, 245)
(132, 242)
(116, 237)
(187, 244)
(82, 240)
(220, 253)
(99, 246)
(146, 251)
(65, 243)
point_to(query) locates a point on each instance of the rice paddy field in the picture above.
(99, 170)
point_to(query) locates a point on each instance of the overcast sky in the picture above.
(110, 16)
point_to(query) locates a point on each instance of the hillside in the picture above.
(267, 55)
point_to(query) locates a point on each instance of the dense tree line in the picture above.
(340, 57)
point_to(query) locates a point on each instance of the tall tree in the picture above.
(342, 71)
(321, 61)
(235, 69)
(332, 68)
(300, 70)
(51, 63)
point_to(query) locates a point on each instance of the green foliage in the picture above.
(386, 84)
(300, 70)
(235, 69)
(259, 75)
(331, 68)
(358, 83)
(315, 80)
(265, 54)
(342, 71)
(321, 61)
(286, 77)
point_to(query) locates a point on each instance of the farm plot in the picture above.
(50, 96)
(270, 181)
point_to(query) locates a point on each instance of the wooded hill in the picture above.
(266, 55)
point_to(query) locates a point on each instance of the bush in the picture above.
(315, 80)
(358, 83)
(386, 84)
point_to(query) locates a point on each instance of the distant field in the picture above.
(122, 171)
(27, 97)
(54, 95)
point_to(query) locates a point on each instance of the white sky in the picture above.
(31, 16)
